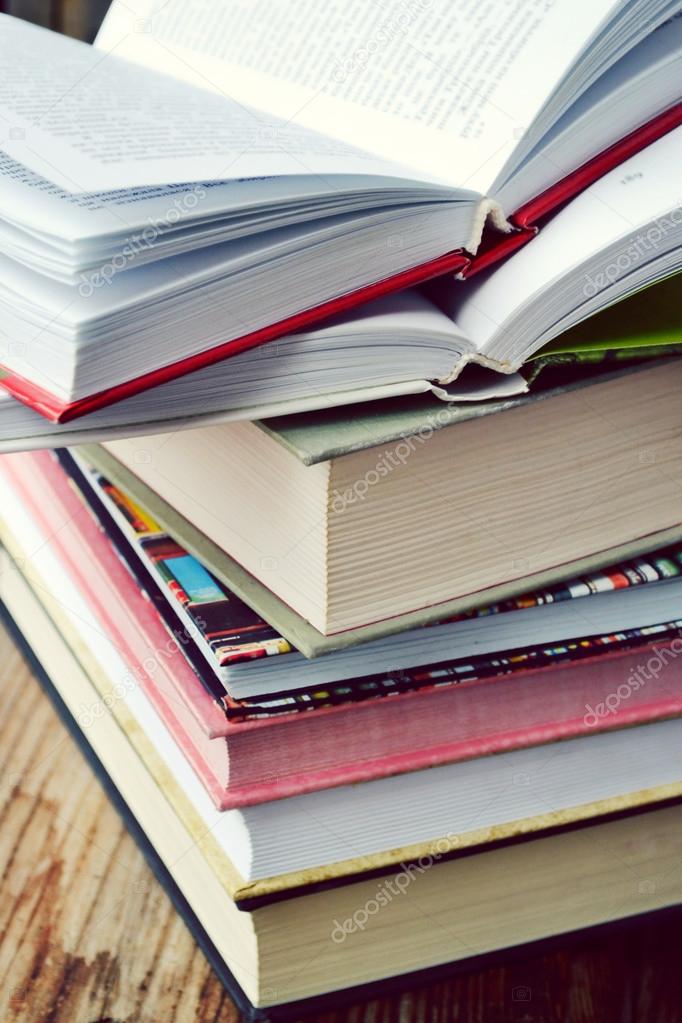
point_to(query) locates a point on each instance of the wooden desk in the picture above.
(87, 935)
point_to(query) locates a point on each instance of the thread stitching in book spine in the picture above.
(487, 210)
(480, 360)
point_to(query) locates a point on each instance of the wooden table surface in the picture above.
(87, 935)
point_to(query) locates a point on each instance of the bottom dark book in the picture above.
(316, 943)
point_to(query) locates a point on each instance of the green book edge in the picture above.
(646, 322)
(315, 437)
(619, 339)
(296, 629)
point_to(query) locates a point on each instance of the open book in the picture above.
(403, 344)
(203, 180)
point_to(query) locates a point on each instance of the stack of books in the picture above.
(364, 599)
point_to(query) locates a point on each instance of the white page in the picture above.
(89, 121)
(643, 191)
(639, 86)
(37, 213)
(448, 87)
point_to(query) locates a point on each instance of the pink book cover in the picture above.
(242, 763)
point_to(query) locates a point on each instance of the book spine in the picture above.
(525, 221)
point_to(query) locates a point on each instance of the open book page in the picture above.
(448, 88)
(639, 86)
(616, 227)
(36, 215)
(88, 121)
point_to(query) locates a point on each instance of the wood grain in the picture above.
(87, 935)
(86, 932)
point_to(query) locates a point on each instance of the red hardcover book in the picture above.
(314, 179)
(526, 221)
(246, 762)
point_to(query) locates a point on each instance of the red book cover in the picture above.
(242, 763)
(495, 248)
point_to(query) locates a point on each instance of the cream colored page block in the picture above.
(505, 496)
(476, 904)
(265, 508)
